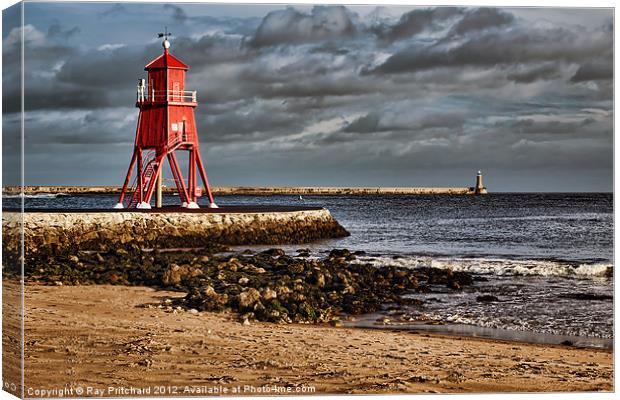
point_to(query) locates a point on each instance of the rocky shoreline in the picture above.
(188, 252)
(267, 286)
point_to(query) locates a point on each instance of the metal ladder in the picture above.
(149, 167)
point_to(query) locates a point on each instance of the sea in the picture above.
(547, 258)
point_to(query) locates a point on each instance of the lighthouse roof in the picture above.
(166, 60)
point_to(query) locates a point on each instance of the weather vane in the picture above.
(165, 35)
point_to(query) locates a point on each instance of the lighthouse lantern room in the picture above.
(166, 124)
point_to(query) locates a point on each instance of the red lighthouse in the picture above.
(166, 124)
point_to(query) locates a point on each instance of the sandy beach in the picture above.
(102, 336)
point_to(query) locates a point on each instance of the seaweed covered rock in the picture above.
(298, 289)
(176, 274)
(267, 286)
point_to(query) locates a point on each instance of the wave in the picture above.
(34, 196)
(559, 217)
(498, 266)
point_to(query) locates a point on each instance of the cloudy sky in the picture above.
(325, 95)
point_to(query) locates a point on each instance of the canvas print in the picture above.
(263, 199)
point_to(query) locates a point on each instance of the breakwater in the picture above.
(67, 232)
(256, 191)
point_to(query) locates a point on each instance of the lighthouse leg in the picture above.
(159, 198)
(205, 180)
(140, 180)
(153, 181)
(191, 179)
(178, 177)
(127, 179)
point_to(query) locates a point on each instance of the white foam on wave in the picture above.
(562, 217)
(496, 266)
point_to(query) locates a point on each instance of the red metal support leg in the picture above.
(128, 177)
(192, 175)
(140, 180)
(174, 165)
(203, 175)
(151, 186)
(175, 177)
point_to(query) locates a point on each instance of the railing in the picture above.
(176, 140)
(184, 96)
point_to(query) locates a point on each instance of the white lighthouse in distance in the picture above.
(479, 188)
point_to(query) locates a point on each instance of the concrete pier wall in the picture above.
(67, 232)
(334, 191)
(258, 191)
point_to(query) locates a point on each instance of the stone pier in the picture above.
(62, 231)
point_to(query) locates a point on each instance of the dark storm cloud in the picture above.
(500, 48)
(481, 19)
(76, 127)
(116, 10)
(42, 56)
(376, 122)
(60, 97)
(594, 71)
(259, 124)
(586, 126)
(366, 124)
(291, 26)
(106, 70)
(415, 22)
(178, 15)
(529, 74)
(210, 50)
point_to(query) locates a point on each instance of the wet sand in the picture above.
(100, 336)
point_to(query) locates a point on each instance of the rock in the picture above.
(567, 343)
(231, 265)
(486, 298)
(269, 294)
(273, 252)
(336, 323)
(248, 297)
(296, 268)
(320, 279)
(454, 285)
(147, 362)
(120, 251)
(176, 274)
(339, 253)
(243, 280)
(74, 259)
(587, 296)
